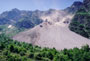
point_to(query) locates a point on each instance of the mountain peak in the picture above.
(52, 9)
(16, 10)
(74, 7)
(77, 3)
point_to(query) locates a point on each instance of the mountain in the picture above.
(53, 31)
(16, 20)
(74, 7)
(16, 16)
(87, 4)
(80, 24)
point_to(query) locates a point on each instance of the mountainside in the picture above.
(53, 32)
(74, 7)
(14, 21)
(15, 16)
(52, 35)
(87, 4)
(81, 21)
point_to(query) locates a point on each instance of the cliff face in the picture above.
(81, 21)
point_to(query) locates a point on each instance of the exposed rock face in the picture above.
(53, 34)
(17, 17)
(55, 18)
(54, 31)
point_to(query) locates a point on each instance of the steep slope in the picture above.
(53, 34)
(74, 7)
(87, 4)
(16, 15)
(81, 21)
(15, 21)
(54, 31)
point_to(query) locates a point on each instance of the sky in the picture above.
(6, 5)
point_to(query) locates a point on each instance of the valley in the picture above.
(45, 35)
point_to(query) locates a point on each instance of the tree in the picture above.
(31, 55)
(22, 53)
(11, 48)
(86, 48)
(2, 46)
(38, 56)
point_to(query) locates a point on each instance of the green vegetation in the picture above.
(83, 13)
(2, 27)
(28, 22)
(20, 20)
(81, 23)
(11, 50)
(9, 31)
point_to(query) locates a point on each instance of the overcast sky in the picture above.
(34, 4)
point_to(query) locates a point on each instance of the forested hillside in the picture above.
(15, 21)
(81, 21)
(11, 50)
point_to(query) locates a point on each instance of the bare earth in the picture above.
(53, 34)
